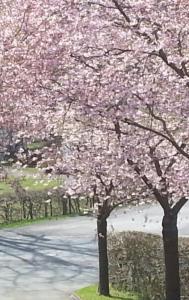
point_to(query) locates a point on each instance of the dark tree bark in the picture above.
(77, 205)
(69, 205)
(103, 256)
(31, 209)
(51, 209)
(169, 223)
(170, 241)
(64, 206)
(46, 210)
(24, 209)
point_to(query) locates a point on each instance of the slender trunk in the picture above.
(24, 209)
(46, 210)
(77, 205)
(103, 256)
(69, 205)
(31, 209)
(64, 206)
(51, 209)
(170, 241)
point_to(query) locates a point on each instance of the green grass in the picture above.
(5, 188)
(36, 145)
(35, 184)
(91, 293)
(29, 182)
(29, 170)
(22, 223)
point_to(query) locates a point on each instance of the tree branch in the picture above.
(159, 197)
(156, 162)
(118, 6)
(172, 65)
(146, 128)
(177, 207)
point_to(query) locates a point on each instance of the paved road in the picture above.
(52, 259)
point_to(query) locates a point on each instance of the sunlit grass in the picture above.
(34, 184)
(5, 188)
(31, 179)
(91, 293)
(36, 145)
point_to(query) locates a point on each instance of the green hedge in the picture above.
(137, 264)
(27, 205)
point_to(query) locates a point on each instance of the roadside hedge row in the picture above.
(137, 264)
(31, 205)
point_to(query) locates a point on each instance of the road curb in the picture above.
(74, 297)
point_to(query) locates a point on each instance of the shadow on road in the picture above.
(31, 261)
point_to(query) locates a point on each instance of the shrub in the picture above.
(137, 264)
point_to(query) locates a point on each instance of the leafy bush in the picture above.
(137, 264)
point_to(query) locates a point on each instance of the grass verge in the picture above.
(21, 223)
(91, 293)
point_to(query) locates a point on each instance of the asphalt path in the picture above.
(48, 261)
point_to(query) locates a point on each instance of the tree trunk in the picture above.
(31, 209)
(46, 210)
(103, 256)
(24, 209)
(69, 205)
(51, 209)
(64, 206)
(170, 241)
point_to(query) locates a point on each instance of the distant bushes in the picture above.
(28, 205)
(137, 264)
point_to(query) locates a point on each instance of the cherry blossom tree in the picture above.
(93, 163)
(133, 58)
(120, 70)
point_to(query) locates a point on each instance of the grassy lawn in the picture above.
(33, 184)
(91, 293)
(5, 188)
(36, 145)
(30, 184)
(30, 179)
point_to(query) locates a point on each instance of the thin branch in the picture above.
(100, 178)
(156, 132)
(117, 129)
(118, 6)
(156, 162)
(117, 51)
(160, 198)
(83, 61)
(171, 163)
(158, 118)
(172, 65)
